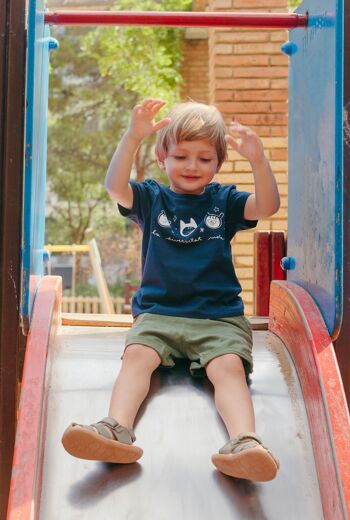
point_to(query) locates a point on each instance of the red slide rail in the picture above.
(177, 19)
(25, 489)
(297, 321)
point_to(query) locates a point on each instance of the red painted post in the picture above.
(269, 249)
(177, 19)
(262, 272)
(278, 251)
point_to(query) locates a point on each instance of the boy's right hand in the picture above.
(142, 121)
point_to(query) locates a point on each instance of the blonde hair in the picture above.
(193, 121)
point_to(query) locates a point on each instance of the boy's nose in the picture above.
(191, 164)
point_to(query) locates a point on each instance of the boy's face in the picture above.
(190, 166)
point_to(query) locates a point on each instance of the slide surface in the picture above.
(178, 429)
(301, 413)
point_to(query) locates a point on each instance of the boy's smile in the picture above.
(190, 166)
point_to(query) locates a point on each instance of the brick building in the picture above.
(244, 73)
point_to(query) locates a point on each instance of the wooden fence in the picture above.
(89, 304)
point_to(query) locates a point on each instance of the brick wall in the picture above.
(248, 80)
(195, 69)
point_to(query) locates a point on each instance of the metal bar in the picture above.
(177, 19)
(278, 251)
(262, 273)
(73, 248)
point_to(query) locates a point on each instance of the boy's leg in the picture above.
(244, 456)
(111, 439)
(133, 383)
(232, 396)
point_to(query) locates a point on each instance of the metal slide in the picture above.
(178, 429)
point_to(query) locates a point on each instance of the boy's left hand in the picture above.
(247, 143)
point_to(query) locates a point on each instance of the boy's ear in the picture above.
(219, 167)
(161, 163)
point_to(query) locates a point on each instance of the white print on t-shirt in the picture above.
(218, 237)
(180, 241)
(213, 221)
(163, 219)
(187, 229)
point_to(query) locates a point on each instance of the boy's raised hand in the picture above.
(246, 142)
(143, 118)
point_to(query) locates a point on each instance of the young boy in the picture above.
(188, 303)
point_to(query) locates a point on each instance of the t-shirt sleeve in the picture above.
(235, 220)
(143, 198)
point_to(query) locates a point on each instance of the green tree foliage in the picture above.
(294, 3)
(97, 76)
(143, 60)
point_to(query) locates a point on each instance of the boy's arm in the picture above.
(118, 174)
(265, 201)
(142, 124)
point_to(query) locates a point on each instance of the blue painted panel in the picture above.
(35, 156)
(315, 157)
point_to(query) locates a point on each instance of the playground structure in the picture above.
(302, 360)
(104, 303)
(92, 249)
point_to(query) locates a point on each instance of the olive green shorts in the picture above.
(199, 340)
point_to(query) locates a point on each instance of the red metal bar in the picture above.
(278, 251)
(262, 272)
(178, 19)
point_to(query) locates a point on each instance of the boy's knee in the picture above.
(225, 365)
(141, 354)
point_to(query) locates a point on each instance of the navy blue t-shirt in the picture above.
(187, 267)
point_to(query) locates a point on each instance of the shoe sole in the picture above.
(251, 464)
(88, 445)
